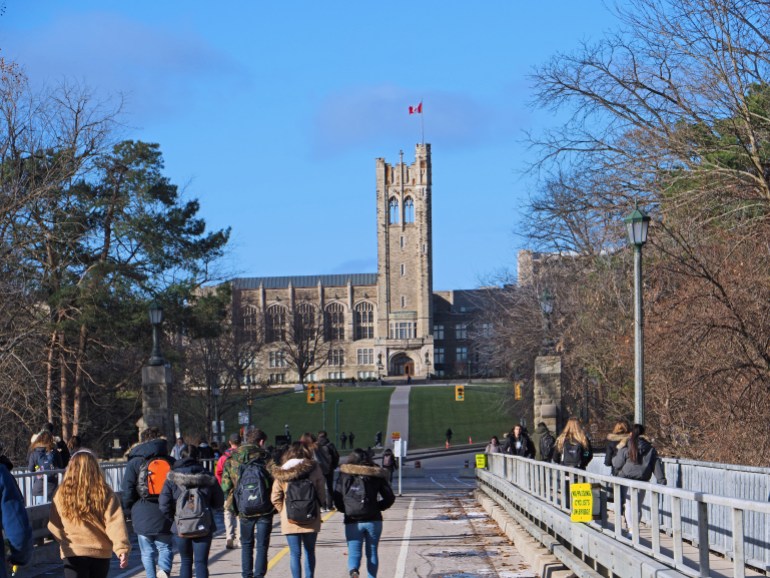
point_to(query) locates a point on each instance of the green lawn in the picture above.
(433, 409)
(361, 410)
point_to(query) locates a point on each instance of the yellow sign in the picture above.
(582, 502)
(481, 461)
(396, 435)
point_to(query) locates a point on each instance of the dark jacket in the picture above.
(376, 484)
(35, 457)
(587, 453)
(188, 473)
(525, 447)
(650, 462)
(146, 516)
(205, 452)
(332, 455)
(612, 449)
(241, 456)
(537, 435)
(14, 526)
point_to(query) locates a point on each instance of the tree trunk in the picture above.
(78, 382)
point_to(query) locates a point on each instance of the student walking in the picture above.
(389, 463)
(15, 529)
(362, 493)
(44, 456)
(573, 447)
(87, 521)
(189, 497)
(232, 531)
(297, 493)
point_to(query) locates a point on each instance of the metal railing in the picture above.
(734, 527)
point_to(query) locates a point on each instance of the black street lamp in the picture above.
(546, 306)
(637, 224)
(156, 318)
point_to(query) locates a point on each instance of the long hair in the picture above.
(297, 450)
(572, 432)
(637, 431)
(83, 493)
(309, 440)
(43, 440)
(620, 428)
(360, 457)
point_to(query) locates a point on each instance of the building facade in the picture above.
(365, 325)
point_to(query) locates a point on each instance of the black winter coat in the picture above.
(36, 457)
(378, 489)
(146, 516)
(188, 473)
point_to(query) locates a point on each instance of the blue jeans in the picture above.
(297, 543)
(196, 549)
(358, 535)
(156, 550)
(255, 567)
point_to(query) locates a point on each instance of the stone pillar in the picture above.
(156, 401)
(547, 392)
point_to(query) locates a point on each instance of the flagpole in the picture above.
(422, 124)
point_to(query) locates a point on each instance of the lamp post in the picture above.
(156, 318)
(337, 420)
(637, 224)
(546, 306)
(380, 368)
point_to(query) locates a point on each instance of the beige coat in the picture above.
(282, 478)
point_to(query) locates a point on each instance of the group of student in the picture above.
(170, 504)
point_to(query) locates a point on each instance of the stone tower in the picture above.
(405, 265)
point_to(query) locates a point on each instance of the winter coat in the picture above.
(205, 452)
(188, 473)
(330, 451)
(493, 448)
(537, 435)
(525, 446)
(220, 467)
(15, 529)
(146, 517)
(35, 458)
(94, 540)
(587, 452)
(377, 487)
(241, 456)
(612, 449)
(283, 476)
(651, 463)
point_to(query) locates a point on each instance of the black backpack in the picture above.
(301, 501)
(547, 443)
(356, 500)
(252, 492)
(193, 516)
(572, 454)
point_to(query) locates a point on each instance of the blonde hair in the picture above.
(83, 494)
(572, 432)
(43, 440)
(620, 428)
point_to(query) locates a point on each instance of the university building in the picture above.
(369, 325)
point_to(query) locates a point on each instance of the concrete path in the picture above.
(398, 416)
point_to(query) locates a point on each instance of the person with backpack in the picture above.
(87, 521)
(573, 447)
(389, 463)
(247, 484)
(146, 471)
(637, 459)
(362, 493)
(15, 529)
(619, 434)
(232, 531)
(43, 456)
(298, 491)
(544, 442)
(331, 459)
(189, 497)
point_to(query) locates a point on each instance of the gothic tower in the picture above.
(405, 265)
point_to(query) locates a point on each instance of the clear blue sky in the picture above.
(272, 113)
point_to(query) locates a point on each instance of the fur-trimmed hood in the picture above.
(360, 470)
(613, 437)
(301, 470)
(192, 480)
(644, 443)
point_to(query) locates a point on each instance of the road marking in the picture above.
(285, 549)
(463, 483)
(435, 482)
(401, 564)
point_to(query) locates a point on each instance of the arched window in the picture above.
(305, 317)
(335, 322)
(275, 324)
(364, 320)
(393, 218)
(408, 210)
(250, 323)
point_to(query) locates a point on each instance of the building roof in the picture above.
(340, 280)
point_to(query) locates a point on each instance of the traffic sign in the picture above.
(396, 435)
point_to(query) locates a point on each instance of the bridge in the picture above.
(512, 519)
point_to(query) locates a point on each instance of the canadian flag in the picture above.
(416, 109)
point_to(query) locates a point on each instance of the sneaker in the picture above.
(160, 573)
(229, 544)
(354, 574)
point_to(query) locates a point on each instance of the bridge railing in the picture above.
(734, 527)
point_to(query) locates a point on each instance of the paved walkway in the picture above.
(398, 416)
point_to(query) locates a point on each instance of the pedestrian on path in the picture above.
(362, 493)
(343, 440)
(87, 521)
(299, 483)
(351, 440)
(448, 435)
(232, 530)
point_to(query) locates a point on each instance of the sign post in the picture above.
(399, 451)
(586, 504)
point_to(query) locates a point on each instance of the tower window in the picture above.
(403, 302)
(403, 269)
(393, 215)
(408, 210)
(402, 241)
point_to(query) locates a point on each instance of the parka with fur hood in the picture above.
(651, 463)
(296, 469)
(377, 487)
(188, 473)
(611, 451)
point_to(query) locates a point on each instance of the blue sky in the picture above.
(272, 114)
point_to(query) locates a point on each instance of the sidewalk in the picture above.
(398, 416)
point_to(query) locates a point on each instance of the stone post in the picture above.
(156, 401)
(547, 392)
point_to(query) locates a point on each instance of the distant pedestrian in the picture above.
(573, 448)
(493, 447)
(188, 498)
(44, 456)
(619, 434)
(389, 463)
(205, 451)
(332, 456)
(74, 444)
(519, 443)
(87, 520)
(378, 439)
(343, 440)
(351, 440)
(544, 442)
(15, 529)
(176, 451)
(362, 493)
(448, 435)
(232, 530)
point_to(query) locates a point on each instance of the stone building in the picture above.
(364, 325)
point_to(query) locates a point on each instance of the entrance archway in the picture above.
(401, 364)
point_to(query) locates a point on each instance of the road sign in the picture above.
(396, 435)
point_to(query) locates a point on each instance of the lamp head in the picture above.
(156, 313)
(637, 224)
